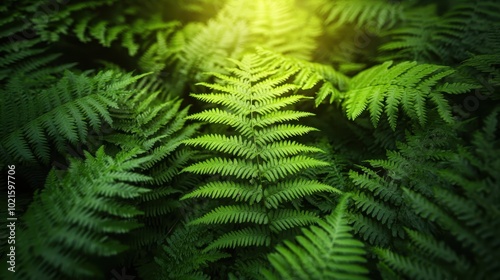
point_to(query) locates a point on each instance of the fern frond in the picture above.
(310, 74)
(154, 122)
(326, 251)
(379, 199)
(262, 171)
(413, 40)
(62, 113)
(406, 85)
(282, 27)
(414, 268)
(426, 36)
(180, 256)
(25, 64)
(433, 212)
(78, 215)
(436, 249)
(467, 215)
(201, 48)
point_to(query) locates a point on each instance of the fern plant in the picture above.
(89, 26)
(415, 39)
(22, 56)
(58, 106)
(308, 75)
(126, 22)
(172, 200)
(78, 216)
(59, 114)
(326, 251)
(468, 214)
(258, 174)
(387, 88)
(154, 122)
(483, 68)
(51, 19)
(463, 30)
(379, 208)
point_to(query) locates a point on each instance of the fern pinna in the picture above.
(258, 173)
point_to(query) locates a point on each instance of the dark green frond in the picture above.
(62, 113)
(374, 15)
(74, 218)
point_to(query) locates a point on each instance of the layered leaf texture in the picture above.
(470, 217)
(154, 122)
(326, 251)
(374, 15)
(245, 139)
(259, 171)
(381, 213)
(406, 86)
(181, 256)
(78, 217)
(309, 75)
(60, 114)
(199, 48)
(468, 27)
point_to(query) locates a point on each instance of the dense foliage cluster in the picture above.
(252, 139)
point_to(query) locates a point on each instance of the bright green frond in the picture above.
(407, 85)
(262, 173)
(326, 251)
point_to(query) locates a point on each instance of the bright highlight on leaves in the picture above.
(258, 174)
(406, 86)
